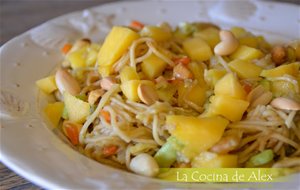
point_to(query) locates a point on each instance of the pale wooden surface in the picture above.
(18, 16)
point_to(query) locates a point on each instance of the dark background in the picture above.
(18, 16)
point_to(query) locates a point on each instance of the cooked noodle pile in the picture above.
(119, 127)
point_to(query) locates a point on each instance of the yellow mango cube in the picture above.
(197, 49)
(230, 86)
(53, 112)
(288, 69)
(77, 109)
(238, 32)
(196, 134)
(246, 53)
(198, 72)
(231, 108)
(130, 88)
(250, 41)
(166, 93)
(47, 85)
(196, 94)
(210, 35)
(78, 58)
(157, 33)
(114, 46)
(128, 73)
(212, 76)
(212, 160)
(153, 66)
(245, 69)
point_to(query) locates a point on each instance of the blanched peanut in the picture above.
(144, 164)
(264, 99)
(182, 72)
(107, 82)
(227, 45)
(279, 55)
(285, 104)
(66, 82)
(147, 94)
(92, 77)
(80, 44)
(95, 95)
(226, 144)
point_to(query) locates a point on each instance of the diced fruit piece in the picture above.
(197, 49)
(230, 86)
(196, 134)
(198, 72)
(78, 58)
(130, 88)
(104, 71)
(195, 94)
(53, 112)
(238, 32)
(92, 54)
(77, 109)
(250, 41)
(210, 35)
(166, 93)
(266, 84)
(72, 130)
(114, 46)
(212, 76)
(246, 53)
(212, 160)
(245, 69)
(153, 66)
(47, 84)
(166, 155)
(231, 108)
(289, 69)
(157, 33)
(128, 73)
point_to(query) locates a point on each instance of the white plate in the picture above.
(32, 150)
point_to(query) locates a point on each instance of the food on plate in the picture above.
(153, 96)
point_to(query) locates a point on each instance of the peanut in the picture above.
(95, 95)
(285, 104)
(226, 144)
(66, 82)
(227, 45)
(144, 164)
(279, 55)
(107, 82)
(147, 94)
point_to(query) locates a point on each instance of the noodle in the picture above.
(129, 120)
(93, 116)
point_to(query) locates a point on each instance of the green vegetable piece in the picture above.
(65, 114)
(82, 97)
(260, 159)
(167, 154)
(266, 84)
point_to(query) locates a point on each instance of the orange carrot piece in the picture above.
(183, 60)
(109, 150)
(137, 25)
(106, 115)
(66, 48)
